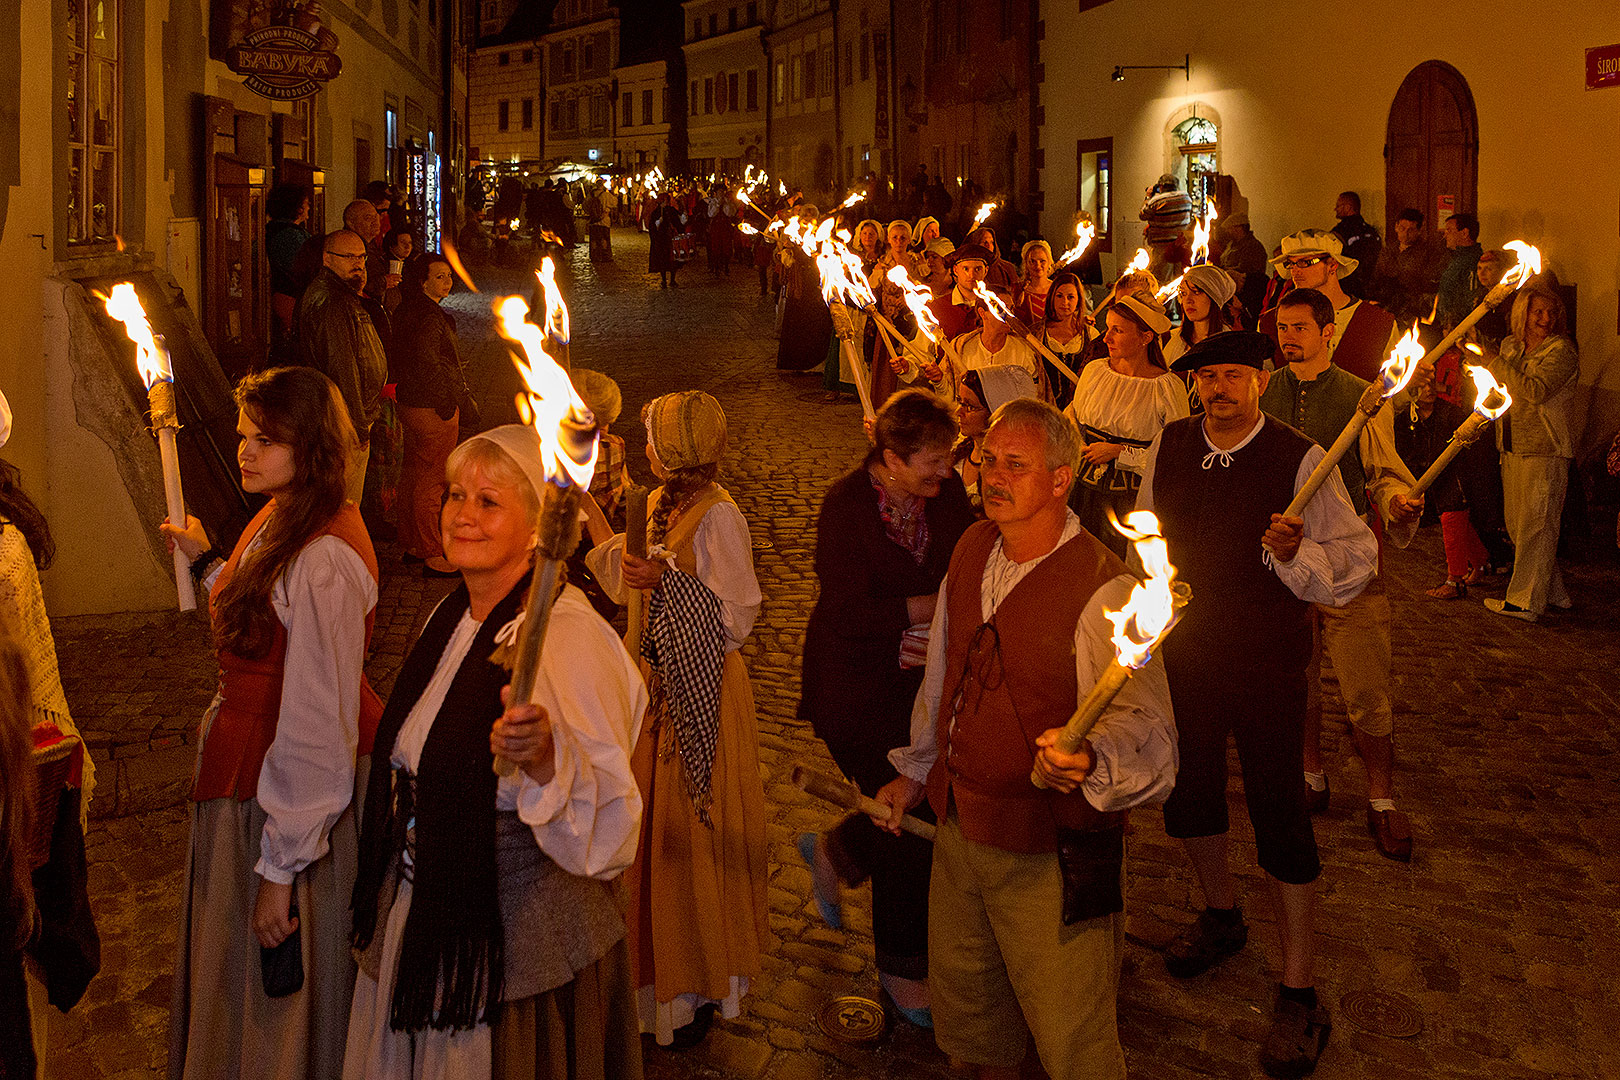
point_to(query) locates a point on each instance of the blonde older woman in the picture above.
(492, 943)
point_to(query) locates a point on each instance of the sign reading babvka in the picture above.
(280, 46)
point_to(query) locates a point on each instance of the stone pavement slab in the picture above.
(1502, 930)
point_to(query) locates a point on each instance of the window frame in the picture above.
(1103, 209)
(81, 191)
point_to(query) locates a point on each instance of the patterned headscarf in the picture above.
(686, 429)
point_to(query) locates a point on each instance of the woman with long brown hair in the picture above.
(273, 828)
(697, 886)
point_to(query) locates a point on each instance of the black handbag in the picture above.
(1092, 865)
(282, 966)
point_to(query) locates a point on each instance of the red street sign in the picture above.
(1602, 67)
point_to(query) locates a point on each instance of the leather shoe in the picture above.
(1392, 832)
(1316, 802)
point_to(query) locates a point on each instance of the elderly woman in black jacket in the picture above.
(431, 391)
(883, 544)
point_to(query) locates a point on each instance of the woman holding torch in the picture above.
(1123, 401)
(273, 828)
(883, 542)
(697, 888)
(492, 944)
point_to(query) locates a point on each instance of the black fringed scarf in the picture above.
(450, 960)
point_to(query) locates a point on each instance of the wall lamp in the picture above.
(1185, 67)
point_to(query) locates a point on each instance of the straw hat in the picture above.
(600, 393)
(1315, 242)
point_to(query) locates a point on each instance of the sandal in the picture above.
(1450, 589)
(1296, 1039)
(1478, 574)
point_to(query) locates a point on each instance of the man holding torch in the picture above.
(1237, 661)
(1319, 398)
(1026, 905)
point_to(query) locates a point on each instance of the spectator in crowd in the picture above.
(1538, 364)
(1408, 272)
(336, 335)
(1026, 903)
(999, 272)
(1123, 401)
(287, 207)
(1421, 433)
(49, 947)
(884, 539)
(398, 247)
(1360, 240)
(473, 241)
(1493, 326)
(1316, 396)
(1364, 333)
(273, 799)
(1066, 330)
(430, 392)
(1237, 660)
(1204, 293)
(1456, 288)
(1244, 260)
(1033, 287)
(361, 218)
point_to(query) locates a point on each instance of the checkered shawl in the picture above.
(685, 644)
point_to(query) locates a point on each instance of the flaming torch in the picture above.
(835, 286)
(1152, 610)
(152, 359)
(1392, 379)
(568, 441)
(849, 796)
(556, 312)
(984, 213)
(917, 298)
(1528, 266)
(999, 308)
(1139, 261)
(1085, 233)
(1491, 400)
(1202, 232)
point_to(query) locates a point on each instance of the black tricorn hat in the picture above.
(1228, 347)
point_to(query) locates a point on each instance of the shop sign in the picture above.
(283, 62)
(1602, 67)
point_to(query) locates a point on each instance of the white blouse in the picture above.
(1015, 350)
(1127, 406)
(725, 565)
(307, 779)
(587, 817)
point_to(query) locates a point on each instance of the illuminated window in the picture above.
(1094, 188)
(93, 118)
(1198, 141)
(780, 84)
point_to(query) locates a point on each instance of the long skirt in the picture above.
(583, 1030)
(222, 1026)
(697, 894)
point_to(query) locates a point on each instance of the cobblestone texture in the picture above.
(1500, 929)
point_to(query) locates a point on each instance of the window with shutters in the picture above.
(708, 96)
(824, 86)
(647, 107)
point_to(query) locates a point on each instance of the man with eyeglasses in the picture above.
(1364, 333)
(336, 336)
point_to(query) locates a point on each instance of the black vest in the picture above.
(1241, 617)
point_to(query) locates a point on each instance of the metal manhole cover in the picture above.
(852, 1019)
(1381, 1012)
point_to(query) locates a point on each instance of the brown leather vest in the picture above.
(1007, 681)
(240, 734)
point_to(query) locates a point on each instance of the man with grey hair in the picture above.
(1026, 903)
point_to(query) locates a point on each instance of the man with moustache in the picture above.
(1236, 662)
(337, 336)
(1026, 901)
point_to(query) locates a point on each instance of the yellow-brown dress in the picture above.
(697, 915)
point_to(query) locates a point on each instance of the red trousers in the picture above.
(428, 442)
(1464, 549)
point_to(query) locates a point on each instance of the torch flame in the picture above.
(1201, 233)
(1402, 364)
(1487, 388)
(854, 197)
(549, 403)
(1528, 266)
(1151, 607)
(1086, 232)
(454, 259)
(984, 212)
(781, 189)
(150, 357)
(997, 306)
(917, 298)
(747, 229)
(1139, 261)
(556, 308)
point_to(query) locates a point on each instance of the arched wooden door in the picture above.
(1431, 153)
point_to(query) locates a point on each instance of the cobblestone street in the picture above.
(1497, 933)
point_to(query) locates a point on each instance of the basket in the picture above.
(53, 764)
